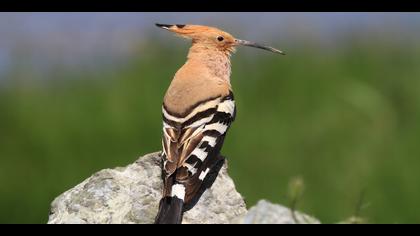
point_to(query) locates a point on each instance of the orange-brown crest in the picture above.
(205, 35)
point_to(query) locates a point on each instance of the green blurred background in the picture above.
(341, 111)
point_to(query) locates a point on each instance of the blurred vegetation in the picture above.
(345, 121)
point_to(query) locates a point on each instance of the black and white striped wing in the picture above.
(191, 147)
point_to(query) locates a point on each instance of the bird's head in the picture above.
(212, 37)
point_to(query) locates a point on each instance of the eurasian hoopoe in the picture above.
(198, 109)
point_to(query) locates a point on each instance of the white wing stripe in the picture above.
(219, 127)
(200, 154)
(210, 140)
(227, 106)
(201, 121)
(203, 174)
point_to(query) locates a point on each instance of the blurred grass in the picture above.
(345, 121)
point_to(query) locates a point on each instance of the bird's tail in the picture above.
(171, 208)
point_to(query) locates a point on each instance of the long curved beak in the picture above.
(255, 45)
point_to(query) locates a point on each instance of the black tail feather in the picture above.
(170, 211)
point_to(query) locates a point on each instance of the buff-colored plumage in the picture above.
(206, 73)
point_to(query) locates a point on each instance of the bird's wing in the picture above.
(191, 147)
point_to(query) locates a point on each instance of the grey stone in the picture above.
(130, 195)
(267, 213)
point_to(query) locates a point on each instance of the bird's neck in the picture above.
(216, 61)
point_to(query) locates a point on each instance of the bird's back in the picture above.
(197, 111)
(192, 84)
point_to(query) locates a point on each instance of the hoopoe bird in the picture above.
(198, 109)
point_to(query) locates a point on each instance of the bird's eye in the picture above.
(220, 38)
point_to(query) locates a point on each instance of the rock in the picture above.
(267, 213)
(130, 195)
